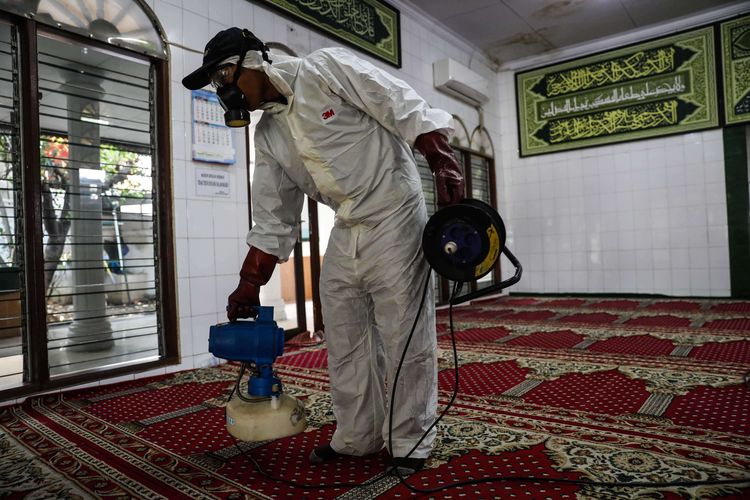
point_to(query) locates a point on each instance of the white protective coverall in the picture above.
(344, 138)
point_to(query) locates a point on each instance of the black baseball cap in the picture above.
(227, 43)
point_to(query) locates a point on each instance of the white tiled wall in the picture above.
(638, 217)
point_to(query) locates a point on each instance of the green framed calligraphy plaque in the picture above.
(372, 26)
(735, 58)
(660, 87)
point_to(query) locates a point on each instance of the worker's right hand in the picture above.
(241, 302)
(256, 271)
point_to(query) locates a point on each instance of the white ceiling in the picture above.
(508, 30)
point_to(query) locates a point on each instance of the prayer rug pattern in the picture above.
(565, 387)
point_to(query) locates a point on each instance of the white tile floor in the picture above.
(134, 340)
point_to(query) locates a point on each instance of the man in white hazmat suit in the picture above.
(338, 129)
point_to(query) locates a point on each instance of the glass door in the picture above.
(86, 282)
(97, 201)
(321, 224)
(12, 342)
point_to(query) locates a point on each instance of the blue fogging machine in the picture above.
(266, 412)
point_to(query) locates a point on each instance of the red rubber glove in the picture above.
(256, 271)
(449, 178)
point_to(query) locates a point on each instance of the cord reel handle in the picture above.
(494, 288)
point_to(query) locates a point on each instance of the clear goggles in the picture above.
(222, 76)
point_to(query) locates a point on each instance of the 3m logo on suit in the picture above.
(328, 114)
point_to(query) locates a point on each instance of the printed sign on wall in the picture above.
(212, 183)
(655, 88)
(735, 50)
(212, 139)
(370, 25)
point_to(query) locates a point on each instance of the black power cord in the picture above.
(469, 482)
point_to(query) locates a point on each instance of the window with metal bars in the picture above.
(97, 199)
(11, 244)
(86, 262)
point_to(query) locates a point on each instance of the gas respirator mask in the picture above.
(231, 97)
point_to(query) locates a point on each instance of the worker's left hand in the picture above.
(449, 179)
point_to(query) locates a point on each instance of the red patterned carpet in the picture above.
(574, 388)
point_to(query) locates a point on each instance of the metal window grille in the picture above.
(480, 179)
(98, 199)
(12, 327)
(428, 183)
